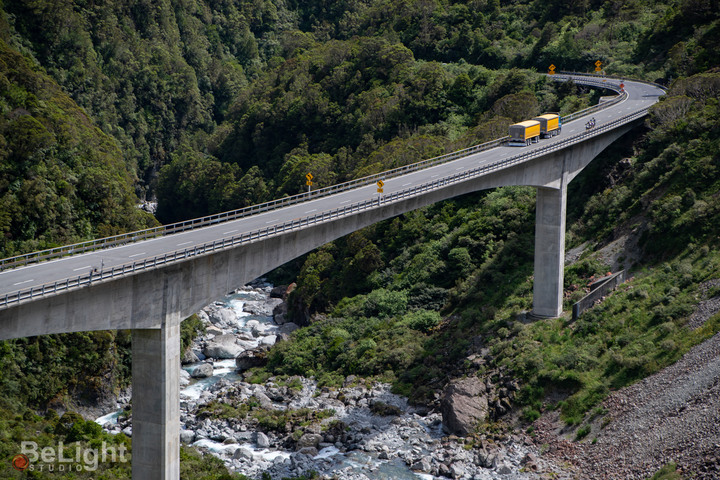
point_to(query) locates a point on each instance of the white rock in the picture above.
(243, 453)
(269, 340)
(223, 346)
(187, 436)
(223, 316)
(262, 440)
(203, 370)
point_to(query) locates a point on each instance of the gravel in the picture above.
(673, 415)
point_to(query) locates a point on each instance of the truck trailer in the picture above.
(524, 133)
(549, 125)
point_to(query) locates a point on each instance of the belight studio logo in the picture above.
(20, 462)
(66, 458)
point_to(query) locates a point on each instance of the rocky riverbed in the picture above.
(286, 427)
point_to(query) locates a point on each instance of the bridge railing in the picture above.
(620, 78)
(131, 237)
(253, 236)
(136, 236)
(622, 95)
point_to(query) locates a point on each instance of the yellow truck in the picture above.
(524, 133)
(550, 124)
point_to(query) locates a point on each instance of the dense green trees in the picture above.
(213, 106)
(62, 179)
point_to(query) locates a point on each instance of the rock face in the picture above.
(463, 405)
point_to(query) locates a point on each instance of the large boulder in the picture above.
(189, 357)
(288, 328)
(187, 436)
(262, 308)
(268, 340)
(203, 370)
(222, 316)
(262, 440)
(279, 292)
(223, 346)
(464, 405)
(280, 313)
(309, 440)
(248, 359)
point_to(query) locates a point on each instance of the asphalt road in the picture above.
(640, 96)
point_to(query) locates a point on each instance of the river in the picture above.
(408, 444)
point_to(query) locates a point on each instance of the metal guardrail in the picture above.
(622, 95)
(136, 236)
(246, 238)
(132, 237)
(614, 77)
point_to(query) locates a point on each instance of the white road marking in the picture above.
(406, 184)
(346, 201)
(436, 175)
(183, 243)
(137, 254)
(233, 231)
(26, 281)
(82, 268)
(313, 210)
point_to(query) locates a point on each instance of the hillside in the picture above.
(209, 106)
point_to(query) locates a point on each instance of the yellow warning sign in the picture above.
(551, 69)
(598, 63)
(380, 185)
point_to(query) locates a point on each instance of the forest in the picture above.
(205, 106)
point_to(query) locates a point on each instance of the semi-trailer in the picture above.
(549, 124)
(524, 133)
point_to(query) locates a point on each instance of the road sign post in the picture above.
(598, 67)
(308, 181)
(380, 185)
(551, 69)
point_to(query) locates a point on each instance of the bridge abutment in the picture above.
(156, 403)
(549, 251)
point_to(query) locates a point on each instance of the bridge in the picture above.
(149, 281)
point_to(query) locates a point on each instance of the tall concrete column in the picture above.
(156, 403)
(549, 251)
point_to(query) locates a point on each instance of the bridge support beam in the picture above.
(549, 251)
(156, 403)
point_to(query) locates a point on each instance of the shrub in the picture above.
(422, 320)
(385, 303)
(529, 414)
(582, 432)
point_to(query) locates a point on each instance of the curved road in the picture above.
(640, 97)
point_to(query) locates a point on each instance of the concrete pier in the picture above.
(549, 251)
(156, 403)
